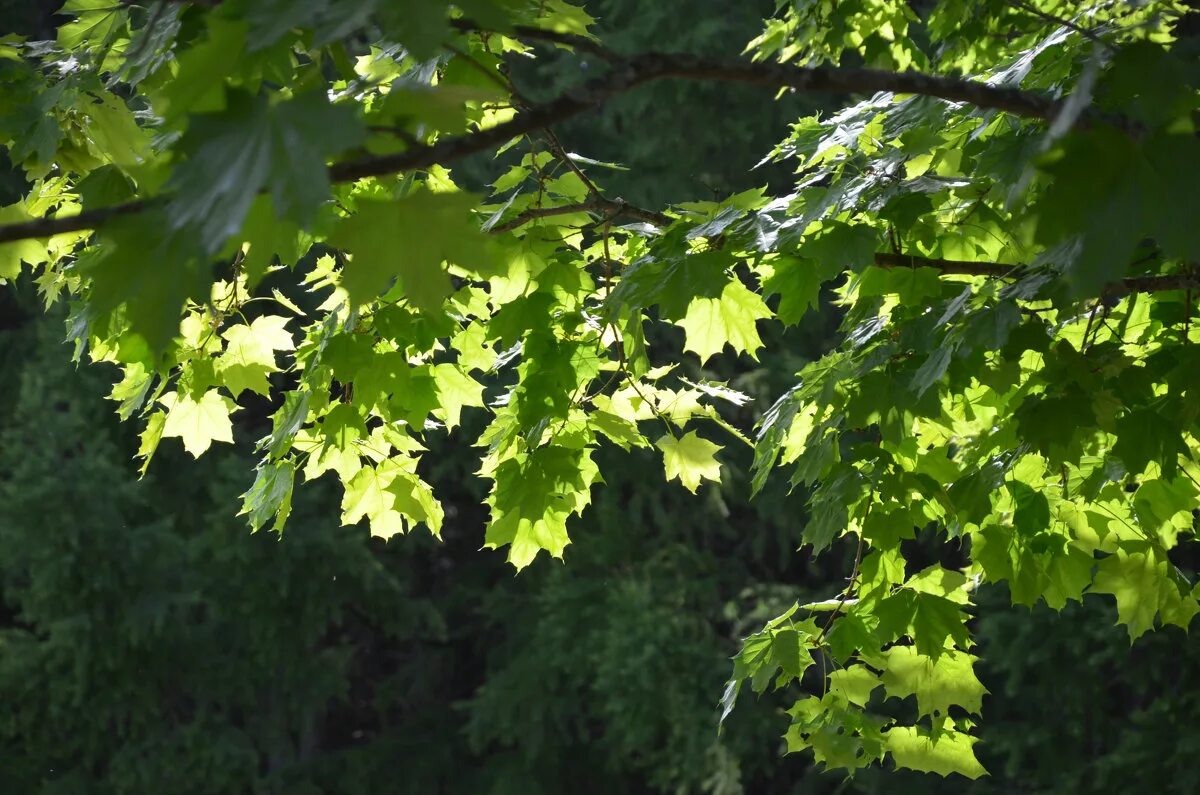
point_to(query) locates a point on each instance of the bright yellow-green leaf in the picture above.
(150, 437)
(533, 498)
(713, 323)
(249, 356)
(455, 389)
(854, 683)
(691, 459)
(13, 254)
(950, 680)
(1142, 587)
(392, 498)
(948, 752)
(96, 23)
(198, 423)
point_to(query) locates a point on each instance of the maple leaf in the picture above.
(713, 323)
(797, 282)
(532, 499)
(455, 389)
(1140, 585)
(938, 684)
(96, 22)
(392, 498)
(148, 270)
(12, 255)
(198, 423)
(249, 355)
(947, 752)
(253, 144)
(691, 459)
(270, 496)
(409, 239)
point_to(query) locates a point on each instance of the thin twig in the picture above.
(846, 591)
(531, 33)
(610, 208)
(552, 143)
(1066, 23)
(1187, 316)
(1083, 345)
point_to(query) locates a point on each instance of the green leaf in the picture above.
(532, 499)
(831, 505)
(264, 237)
(271, 495)
(198, 423)
(150, 437)
(936, 618)
(691, 459)
(672, 284)
(1032, 514)
(854, 683)
(1094, 193)
(96, 23)
(850, 634)
(1144, 436)
(32, 252)
(145, 268)
(947, 752)
(249, 356)
(713, 323)
(455, 389)
(1159, 504)
(253, 144)
(1139, 584)
(392, 498)
(409, 239)
(938, 683)
(286, 421)
(797, 282)
(620, 430)
(198, 84)
(791, 653)
(841, 246)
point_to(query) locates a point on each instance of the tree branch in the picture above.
(950, 267)
(89, 219)
(1152, 284)
(623, 77)
(996, 270)
(595, 203)
(572, 40)
(1066, 23)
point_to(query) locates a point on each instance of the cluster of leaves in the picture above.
(1015, 367)
(146, 637)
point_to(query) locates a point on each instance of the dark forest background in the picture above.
(150, 644)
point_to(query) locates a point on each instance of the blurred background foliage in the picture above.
(149, 643)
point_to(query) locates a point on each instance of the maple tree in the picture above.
(256, 198)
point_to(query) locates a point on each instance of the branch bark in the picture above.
(625, 76)
(996, 270)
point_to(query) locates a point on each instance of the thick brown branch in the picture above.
(1152, 284)
(90, 219)
(623, 77)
